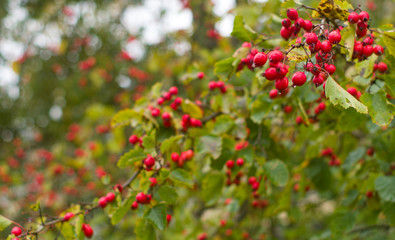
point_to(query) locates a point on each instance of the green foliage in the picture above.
(242, 31)
(121, 210)
(385, 186)
(131, 157)
(4, 223)
(380, 110)
(277, 172)
(157, 216)
(181, 176)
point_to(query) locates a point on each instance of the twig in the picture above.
(384, 227)
(211, 117)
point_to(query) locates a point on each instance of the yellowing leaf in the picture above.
(338, 96)
(333, 9)
(348, 39)
(192, 109)
(125, 117)
(389, 42)
(297, 55)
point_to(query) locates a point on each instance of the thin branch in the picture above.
(211, 117)
(384, 227)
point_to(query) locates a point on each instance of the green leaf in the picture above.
(224, 68)
(167, 144)
(385, 186)
(381, 111)
(297, 55)
(144, 230)
(209, 144)
(155, 90)
(157, 216)
(365, 68)
(125, 117)
(319, 173)
(149, 143)
(222, 124)
(348, 39)
(192, 109)
(338, 96)
(242, 31)
(389, 211)
(390, 84)
(389, 42)
(181, 176)
(131, 157)
(277, 172)
(168, 194)
(67, 231)
(4, 222)
(353, 157)
(342, 221)
(122, 210)
(212, 186)
(260, 108)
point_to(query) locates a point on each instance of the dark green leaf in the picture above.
(385, 186)
(224, 68)
(168, 194)
(182, 176)
(353, 157)
(157, 216)
(223, 124)
(277, 172)
(242, 31)
(122, 210)
(131, 157)
(212, 187)
(167, 144)
(144, 230)
(260, 107)
(320, 174)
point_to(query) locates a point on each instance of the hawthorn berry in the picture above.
(326, 46)
(334, 37)
(167, 96)
(327, 152)
(189, 154)
(68, 216)
(118, 187)
(378, 50)
(149, 161)
(212, 85)
(87, 229)
(200, 75)
(275, 56)
(270, 74)
(155, 112)
(370, 151)
(175, 157)
(160, 101)
(299, 78)
(321, 106)
(168, 218)
(16, 231)
(286, 23)
(202, 236)
(219, 84)
(153, 181)
(361, 32)
(133, 139)
(292, 14)
(230, 164)
(364, 16)
(252, 180)
(330, 68)
(110, 197)
(281, 84)
(311, 38)
(315, 47)
(299, 120)
(246, 45)
(299, 23)
(367, 51)
(240, 162)
(165, 116)
(103, 202)
(173, 90)
(369, 194)
(195, 122)
(382, 67)
(352, 91)
(368, 41)
(135, 205)
(361, 26)
(273, 93)
(308, 25)
(358, 47)
(260, 59)
(318, 80)
(255, 186)
(141, 197)
(288, 109)
(353, 17)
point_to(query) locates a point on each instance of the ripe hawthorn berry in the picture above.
(68, 216)
(368, 41)
(334, 37)
(153, 181)
(285, 33)
(327, 152)
(299, 78)
(321, 106)
(275, 56)
(168, 218)
(273, 93)
(318, 80)
(103, 202)
(252, 180)
(370, 151)
(133, 139)
(200, 75)
(308, 25)
(361, 26)
(155, 112)
(212, 85)
(353, 17)
(281, 84)
(246, 45)
(315, 47)
(135, 205)
(202, 236)
(299, 120)
(149, 161)
(230, 164)
(361, 32)
(369, 194)
(240, 162)
(87, 229)
(367, 51)
(311, 38)
(160, 101)
(364, 16)
(173, 90)
(292, 14)
(378, 50)
(270, 74)
(382, 67)
(299, 23)
(175, 157)
(260, 59)
(110, 197)
(286, 23)
(167, 96)
(141, 197)
(352, 91)
(358, 47)
(16, 231)
(330, 68)
(326, 46)
(288, 109)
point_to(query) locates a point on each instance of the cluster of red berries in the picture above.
(134, 139)
(187, 121)
(328, 152)
(353, 91)
(381, 67)
(212, 85)
(255, 183)
(141, 198)
(173, 91)
(290, 29)
(249, 60)
(149, 162)
(166, 118)
(109, 198)
(180, 159)
(230, 164)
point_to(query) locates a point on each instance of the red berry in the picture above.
(175, 157)
(299, 23)
(252, 180)
(168, 218)
(271, 74)
(318, 80)
(212, 85)
(352, 91)
(358, 47)
(68, 216)
(149, 161)
(240, 162)
(285, 33)
(311, 38)
(16, 231)
(330, 68)
(326, 46)
(299, 78)
(286, 23)
(368, 41)
(299, 120)
(361, 32)
(273, 93)
(353, 17)
(153, 181)
(161, 100)
(369, 194)
(288, 109)
(167, 96)
(260, 59)
(246, 45)
(87, 229)
(202, 236)
(255, 185)
(155, 112)
(110, 197)
(378, 50)
(200, 75)
(230, 164)
(382, 67)
(275, 56)
(327, 152)
(375, 67)
(292, 14)
(281, 84)
(118, 187)
(103, 202)
(165, 116)
(281, 72)
(220, 84)
(367, 51)
(334, 37)
(133, 139)
(308, 25)
(364, 16)
(141, 198)
(315, 47)
(361, 26)
(321, 106)
(135, 205)
(173, 90)
(370, 151)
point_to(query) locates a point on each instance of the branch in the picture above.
(211, 117)
(384, 227)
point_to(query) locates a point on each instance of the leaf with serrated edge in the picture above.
(242, 31)
(122, 210)
(157, 216)
(131, 157)
(338, 96)
(381, 111)
(124, 117)
(166, 144)
(389, 42)
(277, 172)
